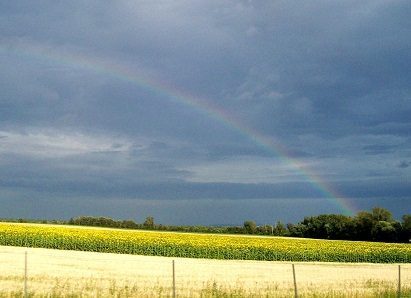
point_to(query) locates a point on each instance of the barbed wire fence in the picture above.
(133, 276)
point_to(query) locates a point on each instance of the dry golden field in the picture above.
(62, 273)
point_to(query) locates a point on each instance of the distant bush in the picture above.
(103, 222)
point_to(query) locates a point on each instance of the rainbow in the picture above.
(201, 105)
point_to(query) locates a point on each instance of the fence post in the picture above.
(25, 274)
(295, 283)
(174, 280)
(399, 281)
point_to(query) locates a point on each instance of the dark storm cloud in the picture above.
(404, 164)
(378, 149)
(346, 63)
(335, 72)
(110, 174)
(327, 82)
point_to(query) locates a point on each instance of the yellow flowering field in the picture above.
(211, 246)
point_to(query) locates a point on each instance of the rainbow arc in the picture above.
(201, 105)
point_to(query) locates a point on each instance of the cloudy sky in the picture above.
(204, 112)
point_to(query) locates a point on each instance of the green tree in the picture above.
(375, 225)
(250, 227)
(280, 229)
(149, 222)
(381, 214)
(264, 230)
(128, 224)
(406, 228)
(298, 230)
(364, 223)
(384, 231)
(328, 226)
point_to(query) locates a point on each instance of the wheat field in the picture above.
(61, 273)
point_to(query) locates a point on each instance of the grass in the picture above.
(211, 290)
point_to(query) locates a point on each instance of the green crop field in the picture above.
(209, 246)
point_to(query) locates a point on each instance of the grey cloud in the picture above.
(300, 65)
(108, 175)
(327, 82)
(404, 164)
(333, 62)
(378, 149)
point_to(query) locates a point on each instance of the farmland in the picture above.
(61, 273)
(207, 246)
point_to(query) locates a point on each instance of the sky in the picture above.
(204, 112)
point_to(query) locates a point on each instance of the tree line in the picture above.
(375, 225)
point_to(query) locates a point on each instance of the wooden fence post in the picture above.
(399, 281)
(25, 274)
(295, 283)
(174, 280)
